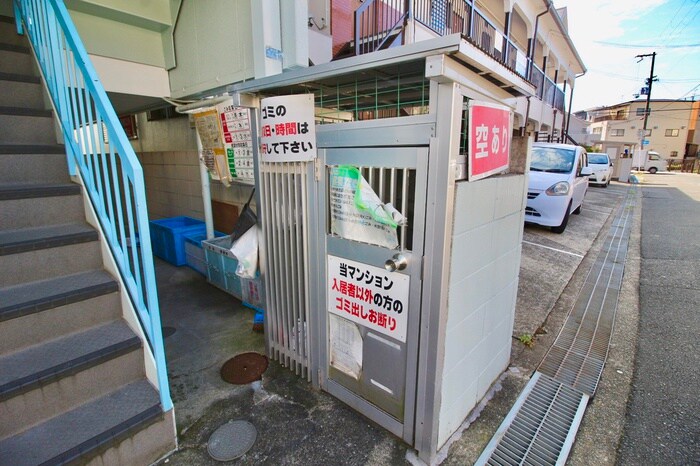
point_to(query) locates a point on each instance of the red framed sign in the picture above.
(489, 139)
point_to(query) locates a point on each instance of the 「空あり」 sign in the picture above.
(288, 131)
(489, 139)
(369, 296)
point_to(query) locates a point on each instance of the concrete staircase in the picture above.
(73, 387)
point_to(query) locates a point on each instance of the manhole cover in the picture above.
(232, 440)
(244, 368)
(168, 331)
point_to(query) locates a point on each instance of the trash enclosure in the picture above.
(390, 250)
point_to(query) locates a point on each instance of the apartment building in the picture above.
(671, 126)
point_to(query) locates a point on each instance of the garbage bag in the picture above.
(245, 249)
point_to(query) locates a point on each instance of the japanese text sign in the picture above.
(369, 296)
(489, 139)
(287, 129)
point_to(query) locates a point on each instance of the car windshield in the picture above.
(599, 159)
(552, 160)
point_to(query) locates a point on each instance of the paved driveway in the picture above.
(549, 260)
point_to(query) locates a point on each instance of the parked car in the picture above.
(654, 163)
(602, 169)
(558, 180)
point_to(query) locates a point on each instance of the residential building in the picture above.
(671, 126)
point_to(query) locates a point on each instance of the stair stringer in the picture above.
(128, 311)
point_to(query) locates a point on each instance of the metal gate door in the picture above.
(369, 343)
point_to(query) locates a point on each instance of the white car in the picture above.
(602, 169)
(557, 183)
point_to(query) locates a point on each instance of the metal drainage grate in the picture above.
(232, 440)
(540, 428)
(578, 355)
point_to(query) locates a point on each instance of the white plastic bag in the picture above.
(246, 251)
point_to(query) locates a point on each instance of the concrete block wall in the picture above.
(173, 185)
(483, 284)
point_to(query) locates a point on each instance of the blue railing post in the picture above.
(82, 106)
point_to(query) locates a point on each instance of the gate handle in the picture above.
(398, 262)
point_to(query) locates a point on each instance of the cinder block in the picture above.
(452, 415)
(474, 204)
(463, 331)
(459, 378)
(472, 251)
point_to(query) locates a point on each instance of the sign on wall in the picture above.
(288, 131)
(238, 140)
(369, 296)
(489, 139)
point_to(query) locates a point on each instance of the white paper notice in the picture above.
(288, 128)
(345, 346)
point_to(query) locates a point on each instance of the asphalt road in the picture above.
(662, 425)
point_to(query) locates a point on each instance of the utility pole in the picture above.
(649, 83)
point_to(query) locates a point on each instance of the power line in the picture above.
(639, 46)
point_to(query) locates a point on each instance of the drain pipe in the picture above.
(571, 99)
(534, 34)
(523, 129)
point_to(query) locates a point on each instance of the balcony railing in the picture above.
(459, 16)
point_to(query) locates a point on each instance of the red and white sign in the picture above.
(369, 296)
(489, 139)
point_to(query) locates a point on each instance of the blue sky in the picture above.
(609, 33)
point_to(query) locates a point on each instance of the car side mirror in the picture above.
(586, 171)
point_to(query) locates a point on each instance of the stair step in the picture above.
(32, 239)
(34, 190)
(16, 59)
(34, 168)
(22, 78)
(21, 93)
(8, 32)
(27, 129)
(38, 365)
(28, 298)
(48, 258)
(87, 429)
(58, 397)
(32, 149)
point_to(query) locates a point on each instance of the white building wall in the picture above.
(486, 243)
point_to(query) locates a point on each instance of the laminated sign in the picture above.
(368, 295)
(287, 128)
(213, 154)
(356, 211)
(237, 140)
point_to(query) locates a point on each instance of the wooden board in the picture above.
(225, 216)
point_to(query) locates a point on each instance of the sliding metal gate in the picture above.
(284, 212)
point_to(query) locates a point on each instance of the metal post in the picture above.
(206, 193)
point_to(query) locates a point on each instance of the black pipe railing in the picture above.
(378, 23)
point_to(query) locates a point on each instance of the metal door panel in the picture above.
(385, 389)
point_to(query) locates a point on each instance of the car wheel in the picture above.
(577, 210)
(652, 170)
(560, 229)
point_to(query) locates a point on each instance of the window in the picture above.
(617, 132)
(671, 133)
(598, 130)
(674, 153)
(640, 111)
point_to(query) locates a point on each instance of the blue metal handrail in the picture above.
(97, 146)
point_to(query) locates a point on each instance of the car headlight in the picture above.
(558, 189)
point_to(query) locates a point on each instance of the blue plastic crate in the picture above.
(168, 237)
(194, 253)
